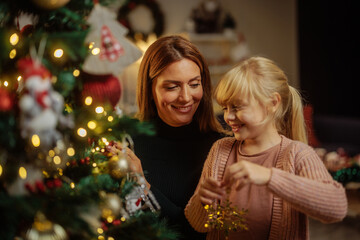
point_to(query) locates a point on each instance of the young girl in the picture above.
(268, 167)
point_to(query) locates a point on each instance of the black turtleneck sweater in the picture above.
(172, 161)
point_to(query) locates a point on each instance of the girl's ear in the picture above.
(275, 101)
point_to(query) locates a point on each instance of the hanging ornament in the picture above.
(102, 88)
(111, 206)
(110, 51)
(50, 4)
(43, 229)
(118, 166)
(6, 100)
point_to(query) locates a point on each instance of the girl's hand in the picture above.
(211, 190)
(244, 172)
(134, 161)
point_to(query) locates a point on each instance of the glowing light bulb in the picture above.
(57, 160)
(100, 230)
(70, 151)
(72, 185)
(95, 51)
(91, 45)
(12, 54)
(35, 140)
(51, 153)
(88, 100)
(76, 73)
(110, 118)
(81, 132)
(14, 39)
(1, 170)
(58, 53)
(19, 78)
(91, 125)
(6, 83)
(22, 172)
(99, 109)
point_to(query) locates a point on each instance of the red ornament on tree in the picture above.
(6, 100)
(102, 88)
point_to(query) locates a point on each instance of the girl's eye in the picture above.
(224, 108)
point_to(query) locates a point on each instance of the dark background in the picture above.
(329, 56)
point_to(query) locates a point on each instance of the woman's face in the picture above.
(177, 92)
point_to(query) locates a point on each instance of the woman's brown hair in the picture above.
(162, 53)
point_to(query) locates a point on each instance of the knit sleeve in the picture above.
(194, 210)
(311, 189)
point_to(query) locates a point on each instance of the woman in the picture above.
(174, 93)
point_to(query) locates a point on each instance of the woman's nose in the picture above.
(185, 94)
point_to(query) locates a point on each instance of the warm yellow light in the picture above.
(104, 140)
(19, 78)
(123, 219)
(110, 219)
(101, 238)
(88, 100)
(60, 171)
(35, 140)
(93, 150)
(95, 51)
(91, 125)
(97, 148)
(22, 172)
(94, 165)
(72, 185)
(58, 53)
(12, 54)
(57, 160)
(76, 73)
(6, 83)
(1, 170)
(100, 230)
(70, 151)
(111, 238)
(82, 132)
(14, 39)
(110, 118)
(51, 153)
(91, 45)
(99, 109)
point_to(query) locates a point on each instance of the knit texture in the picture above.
(301, 185)
(172, 162)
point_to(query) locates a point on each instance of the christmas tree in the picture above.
(58, 115)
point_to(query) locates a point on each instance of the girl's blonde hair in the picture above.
(260, 78)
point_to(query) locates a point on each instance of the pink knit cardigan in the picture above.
(301, 185)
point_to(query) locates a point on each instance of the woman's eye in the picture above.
(171, 87)
(195, 85)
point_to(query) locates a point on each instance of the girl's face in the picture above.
(177, 92)
(245, 117)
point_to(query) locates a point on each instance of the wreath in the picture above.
(157, 15)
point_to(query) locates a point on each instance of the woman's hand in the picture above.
(134, 161)
(244, 172)
(211, 190)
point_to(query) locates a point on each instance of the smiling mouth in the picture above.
(184, 109)
(236, 128)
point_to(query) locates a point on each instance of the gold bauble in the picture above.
(43, 229)
(50, 4)
(118, 166)
(111, 205)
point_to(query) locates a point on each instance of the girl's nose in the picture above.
(229, 115)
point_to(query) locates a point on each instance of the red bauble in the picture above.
(6, 100)
(102, 88)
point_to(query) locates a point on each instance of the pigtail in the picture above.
(297, 130)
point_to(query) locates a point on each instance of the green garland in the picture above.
(157, 14)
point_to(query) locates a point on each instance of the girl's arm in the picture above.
(194, 210)
(312, 190)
